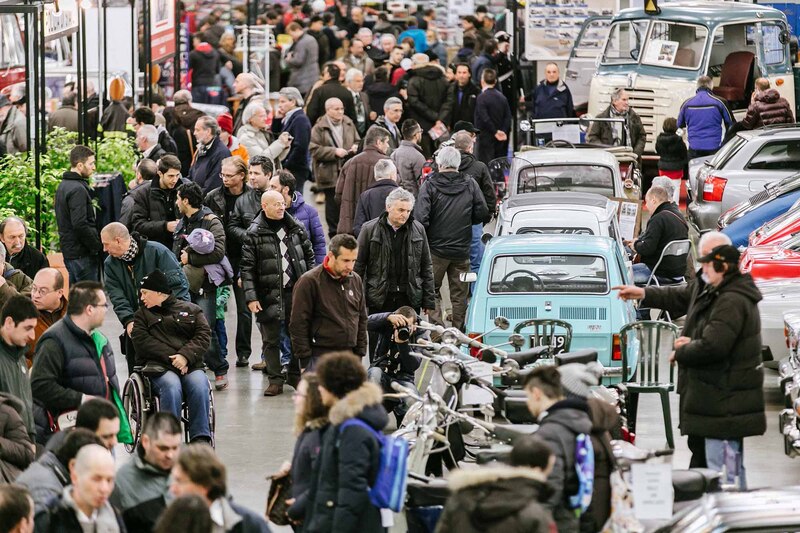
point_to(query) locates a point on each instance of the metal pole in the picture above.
(85, 73)
(148, 62)
(512, 4)
(134, 51)
(176, 62)
(38, 116)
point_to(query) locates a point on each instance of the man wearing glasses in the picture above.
(48, 297)
(74, 361)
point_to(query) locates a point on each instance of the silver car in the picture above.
(739, 170)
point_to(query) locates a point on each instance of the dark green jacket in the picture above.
(123, 279)
(14, 380)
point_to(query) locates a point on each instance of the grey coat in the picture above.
(45, 479)
(303, 62)
(409, 159)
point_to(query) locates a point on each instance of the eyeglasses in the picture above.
(41, 291)
(223, 176)
(100, 305)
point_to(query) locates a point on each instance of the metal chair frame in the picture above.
(545, 328)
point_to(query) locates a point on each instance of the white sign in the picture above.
(661, 52)
(60, 19)
(652, 491)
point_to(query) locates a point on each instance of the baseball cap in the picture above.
(465, 126)
(725, 253)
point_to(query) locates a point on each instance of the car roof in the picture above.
(782, 131)
(527, 243)
(712, 12)
(544, 199)
(586, 156)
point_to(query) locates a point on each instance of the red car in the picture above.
(777, 230)
(772, 261)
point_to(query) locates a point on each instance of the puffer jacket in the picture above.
(497, 500)
(245, 210)
(174, 327)
(478, 171)
(323, 147)
(448, 205)
(559, 427)
(208, 164)
(720, 377)
(217, 200)
(374, 257)
(262, 265)
(427, 93)
(16, 452)
(123, 278)
(671, 151)
(357, 174)
(705, 117)
(309, 218)
(768, 108)
(75, 217)
(153, 207)
(666, 224)
(347, 467)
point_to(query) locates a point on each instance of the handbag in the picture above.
(280, 490)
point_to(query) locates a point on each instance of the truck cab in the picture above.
(658, 58)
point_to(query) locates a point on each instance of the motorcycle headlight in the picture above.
(449, 337)
(451, 372)
(525, 125)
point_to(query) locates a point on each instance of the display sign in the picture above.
(551, 26)
(652, 491)
(629, 214)
(162, 29)
(60, 19)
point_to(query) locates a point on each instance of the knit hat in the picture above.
(201, 240)
(577, 378)
(156, 281)
(225, 121)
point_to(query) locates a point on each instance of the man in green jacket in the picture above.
(131, 257)
(17, 324)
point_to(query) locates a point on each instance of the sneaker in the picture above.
(221, 382)
(285, 370)
(242, 362)
(259, 366)
(273, 390)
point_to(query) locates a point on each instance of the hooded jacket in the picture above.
(76, 219)
(123, 278)
(372, 202)
(208, 164)
(559, 426)
(409, 160)
(448, 205)
(356, 175)
(478, 171)
(140, 492)
(497, 500)
(427, 93)
(706, 117)
(667, 224)
(768, 108)
(309, 218)
(16, 453)
(347, 466)
(204, 63)
(153, 207)
(720, 374)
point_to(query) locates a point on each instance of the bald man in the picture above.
(84, 505)
(49, 297)
(276, 253)
(14, 234)
(131, 257)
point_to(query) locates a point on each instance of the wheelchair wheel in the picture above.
(212, 417)
(133, 401)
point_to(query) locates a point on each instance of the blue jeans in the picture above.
(476, 248)
(194, 386)
(641, 273)
(286, 344)
(727, 454)
(222, 335)
(399, 407)
(83, 269)
(214, 359)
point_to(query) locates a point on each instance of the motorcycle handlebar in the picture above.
(527, 357)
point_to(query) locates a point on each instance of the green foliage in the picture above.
(17, 178)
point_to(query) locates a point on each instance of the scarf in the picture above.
(337, 131)
(616, 127)
(130, 255)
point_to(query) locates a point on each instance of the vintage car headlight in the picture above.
(525, 125)
(451, 372)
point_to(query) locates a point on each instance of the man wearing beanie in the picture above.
(174, 335)
(227, 137)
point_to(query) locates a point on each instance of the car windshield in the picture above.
(530, 273)
(675, 45)
(624, 42)
(555, 231)
(572, 177)
(727, 151)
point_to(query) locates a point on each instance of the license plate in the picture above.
(557, 341)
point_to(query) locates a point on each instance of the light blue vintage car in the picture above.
(565, 277)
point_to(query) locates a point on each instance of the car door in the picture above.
(582, 62)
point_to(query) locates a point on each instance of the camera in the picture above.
(403, 333)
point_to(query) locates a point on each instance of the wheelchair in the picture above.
(140, 399)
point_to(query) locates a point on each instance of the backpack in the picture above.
(389, 489)
(584, 468)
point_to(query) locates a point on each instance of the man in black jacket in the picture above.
(174, 335)
(211, 151)
(154, 212)
(493, 118)
(372, 201)
(247, 208)
(76, 220)
(720, 374)
(291, 118)
(448, 206)
(276, 253)
(427, 93)
(196, 215)
(666, 225)
(21, 255)
(330, 88)
(461, 97)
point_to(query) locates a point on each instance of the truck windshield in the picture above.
(625, 42)
(675, 45)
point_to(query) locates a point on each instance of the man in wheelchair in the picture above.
(170, 337)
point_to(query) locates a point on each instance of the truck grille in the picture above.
(513, 313)
(643, 102)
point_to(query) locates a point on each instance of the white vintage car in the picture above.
(780, 296)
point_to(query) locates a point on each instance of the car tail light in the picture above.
(616, 352)
(713, 188)
(474, 351)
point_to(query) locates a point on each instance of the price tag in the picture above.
(652, 491)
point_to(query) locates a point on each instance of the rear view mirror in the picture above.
(468, 277)
(502, 322)
(516, 340)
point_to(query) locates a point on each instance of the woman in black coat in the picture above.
(349, 458)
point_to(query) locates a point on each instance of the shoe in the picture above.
(293, 381)
(241, 362)
(273, 390)
(259, 366)
(221, 382)
(285, 370)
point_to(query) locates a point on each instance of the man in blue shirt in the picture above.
(703, 116)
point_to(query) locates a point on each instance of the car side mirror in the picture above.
(516, 340)
(486, 237)
(468, 277)
(502, 322)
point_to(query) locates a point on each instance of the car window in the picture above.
(530, 274)
(774, 49)
(555, 231)
(777, 155)
(728, 151)
(574, 177)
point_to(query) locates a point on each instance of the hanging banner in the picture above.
(60, 19)
(162, 29)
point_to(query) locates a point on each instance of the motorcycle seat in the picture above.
(517, 410)
(427, 494)
(501, 454)
(693, 483)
